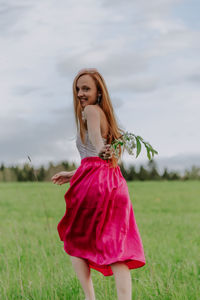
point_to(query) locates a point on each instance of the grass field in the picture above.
(33, 264)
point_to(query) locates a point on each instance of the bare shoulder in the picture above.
(95, 113)
(91, 109)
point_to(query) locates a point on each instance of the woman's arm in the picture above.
(93, 124)
(73, 172)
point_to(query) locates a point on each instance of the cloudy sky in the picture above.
(147, 51)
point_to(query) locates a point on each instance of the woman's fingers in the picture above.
(106, 152)
(58, 180)
(55, 177)
(105, 155)
(106, 148)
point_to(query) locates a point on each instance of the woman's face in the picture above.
(86, 90)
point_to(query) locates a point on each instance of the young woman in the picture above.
(98, 229)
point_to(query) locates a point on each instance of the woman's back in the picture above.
(87, 149)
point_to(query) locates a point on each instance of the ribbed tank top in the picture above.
(87, 149)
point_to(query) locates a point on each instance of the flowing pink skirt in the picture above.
(99, 223)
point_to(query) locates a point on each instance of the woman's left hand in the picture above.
(105, 152)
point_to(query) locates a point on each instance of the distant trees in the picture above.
(41, 174)
(2, 167)
(153, 173)
(166, 174)
(150, 172)
(143, 174)
(29, 173)
(24, 174)
(194, 173)
(131, 173)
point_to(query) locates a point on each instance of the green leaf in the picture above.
(149, 145)
(138, 147)
(139, 137)
(148, 153)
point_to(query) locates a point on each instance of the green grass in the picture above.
(34, 265)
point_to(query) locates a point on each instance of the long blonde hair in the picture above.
(114, 131)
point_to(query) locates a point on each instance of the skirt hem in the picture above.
(106, 270)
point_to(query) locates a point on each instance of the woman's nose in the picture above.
(80, 93)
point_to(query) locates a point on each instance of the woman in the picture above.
(98, 229)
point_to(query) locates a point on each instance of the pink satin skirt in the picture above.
(99, 223)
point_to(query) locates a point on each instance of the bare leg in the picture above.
(123, 280)
(83, 272)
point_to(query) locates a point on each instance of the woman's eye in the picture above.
(84, 88)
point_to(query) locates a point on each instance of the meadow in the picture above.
(34, 265)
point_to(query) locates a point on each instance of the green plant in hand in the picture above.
(132, 143)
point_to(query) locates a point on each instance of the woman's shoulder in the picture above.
(90, 109)
(96, 109)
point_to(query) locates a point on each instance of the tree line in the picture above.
(29, 173)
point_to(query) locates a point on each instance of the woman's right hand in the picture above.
(62, 177)
(105, 152)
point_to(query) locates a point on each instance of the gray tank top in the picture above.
(87, 149)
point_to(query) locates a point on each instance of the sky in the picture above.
(147, 52)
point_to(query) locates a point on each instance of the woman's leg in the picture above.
(83, 272)
(123, 280)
